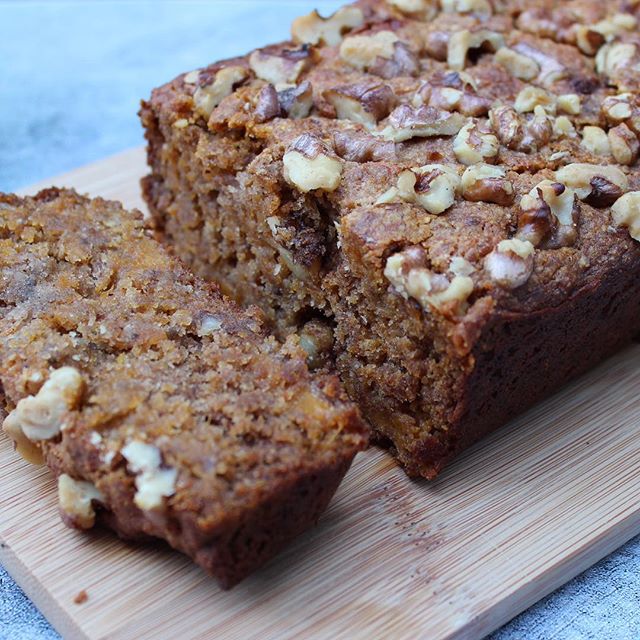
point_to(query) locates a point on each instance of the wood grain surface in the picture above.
(509, 521)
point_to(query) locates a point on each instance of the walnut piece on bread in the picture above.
(43, 416)
(310, 164)
(625, 212)
(76, 498)
(314, 29)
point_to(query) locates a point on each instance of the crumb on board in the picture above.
(81, 597)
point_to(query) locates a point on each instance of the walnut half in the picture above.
(314, 29)
(76, 498)
(406, 122)
(598, 185)
(510, 264)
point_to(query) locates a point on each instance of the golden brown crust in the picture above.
(459, 126)
(164, 409)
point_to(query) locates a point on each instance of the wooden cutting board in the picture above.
(511, 520)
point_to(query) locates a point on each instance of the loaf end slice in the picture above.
(163, 410)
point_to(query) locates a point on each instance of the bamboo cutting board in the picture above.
(512, 519)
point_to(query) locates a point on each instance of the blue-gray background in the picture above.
(71, 77)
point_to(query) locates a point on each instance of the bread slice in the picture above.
(441, 196)
(163, 409)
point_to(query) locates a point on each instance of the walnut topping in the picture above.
(625, 212)
(479, 7)
(594, 140)
(358, 146)
(409, 278)
(314, 29)
(192, 77)
(310, 164)
(569, 103)
(407, 122)
(153, 482)
(510, 264)
(548, 214)
(531, 97)
(43, 416)
(624, 144)
(363, 103)
(517, 64)
(281, 68)
(417, 9)
(404, 62)
(521, 135)
(618, 108)
(76, 498)
(267, 104)
(433, 187)
(563, 128)
(450, 99)
(461, 42)
(550, 69)
(486, 183)
(362, 51)
(296, 102)
(614, 56)
(589, 40)
(598, 185)
(207, 98)
(475, 143)
(615, 25)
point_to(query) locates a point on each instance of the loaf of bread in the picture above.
(163, 409)
(440, 197)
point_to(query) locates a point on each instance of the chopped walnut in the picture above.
(624, 144)
(153, 482)
(314, 29)
(296, 102)
(450, 99)
(310, 164)
(594, 140)
(613, 57)
(531, 97)
(76, 498)
(208, 97)
(357, 146)
(625, 212)
(403, 62)
(550, 69)
(517, 64)
(618, 108)
(510, 264)
(461, 42)
(363, 51)
(44, 415)
(589, 40)
(517, 134)
(486, 183)
(364, 103)
(281, 68)
(549, 215)
(407, 122)
(598, 185)
(267, 104)
(417, 9)
(433, 187)
(569, 103)
(563, 128)
(475, 143)
(479, 7)
(433, 291)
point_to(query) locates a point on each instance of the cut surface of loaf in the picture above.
(441, 197)
(163, 409)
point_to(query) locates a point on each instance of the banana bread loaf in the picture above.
(439, 196)
(162, 408)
